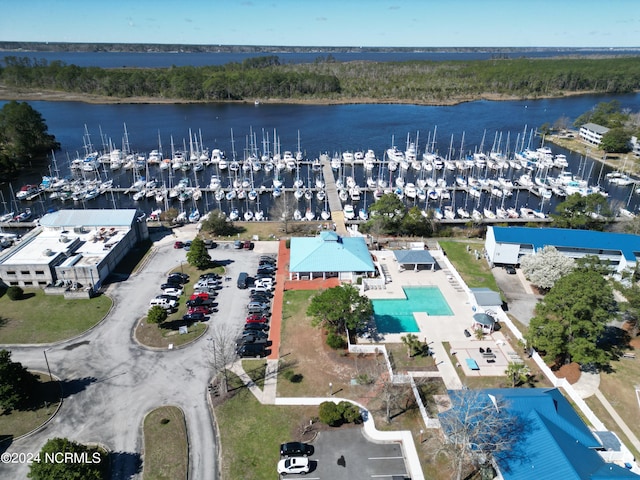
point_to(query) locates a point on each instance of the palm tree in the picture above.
(412, 343)
(517, 372)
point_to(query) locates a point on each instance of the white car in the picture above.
(173, 291)
(264, 283)
(293, 465)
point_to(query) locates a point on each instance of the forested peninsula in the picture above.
(325, 81)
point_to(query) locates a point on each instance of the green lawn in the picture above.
(44, 404)
(251, 433)
(166, 449)
(40, 318)
(475, 273)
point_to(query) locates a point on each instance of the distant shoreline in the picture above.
(274, 49)
(8, 94)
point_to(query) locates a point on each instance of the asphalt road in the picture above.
(110, 383)
(520, 304)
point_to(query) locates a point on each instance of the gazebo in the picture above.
(484, 321)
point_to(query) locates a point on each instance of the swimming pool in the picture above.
(396, 316)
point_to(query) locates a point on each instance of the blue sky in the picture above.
(401, 23)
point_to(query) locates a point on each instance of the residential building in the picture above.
(592, 133)
(506, 245)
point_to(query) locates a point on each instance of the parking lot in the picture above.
(346, 454)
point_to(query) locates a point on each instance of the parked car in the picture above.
(260, 311)
(208, 244)
(187, 245)
(293, 465)
(510, 269)
(194, 317)
(258, 327)
(178, 244)
(172, 291)
(258, 305)
(211, 291)
(163, 302)
(203, 295)
(262, 285)
(237, 244)
(264, 270)
(203, 310)
(256, 318)
(178, 277)
(261, 289)
(213, 275)
(260, 276)
(252, 340)
(260, 297)
(267, 268)
(201, 302)
(252, 350)
(175, 298)
(247, 245)
(267, 258)
(243, 280)
(207, 283)
(253, 333)
(296, 449)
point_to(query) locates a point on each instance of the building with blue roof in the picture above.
(75, 248)
(506, 245)
(329, 255)
(553, 443)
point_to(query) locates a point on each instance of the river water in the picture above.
(449, 130)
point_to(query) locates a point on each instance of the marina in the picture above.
(484, 186)
(476, 162)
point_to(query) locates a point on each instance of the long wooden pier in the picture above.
(331, 190)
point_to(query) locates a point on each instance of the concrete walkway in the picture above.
(621, 423)
(267, 396)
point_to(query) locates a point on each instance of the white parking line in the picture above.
(384, 458)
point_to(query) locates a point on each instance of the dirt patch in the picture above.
(635, 343)
(570, 372)
(321, 370)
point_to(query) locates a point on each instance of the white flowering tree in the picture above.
(546, 267)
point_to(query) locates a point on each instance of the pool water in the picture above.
(396, 315)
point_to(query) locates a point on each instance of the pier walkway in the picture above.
(335, 206)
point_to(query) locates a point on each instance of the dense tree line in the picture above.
(254, 78)
(24, 141)
(265, 77)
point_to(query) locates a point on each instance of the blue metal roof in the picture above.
(414, 256)
(627, 244)
(330, 252)
(556, 442)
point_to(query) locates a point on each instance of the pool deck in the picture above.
(436, 330)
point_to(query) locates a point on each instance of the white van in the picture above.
(165, 303)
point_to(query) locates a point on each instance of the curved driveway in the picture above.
(110, 382)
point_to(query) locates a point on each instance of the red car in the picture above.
(203, 295)
(199, 309)
(255, 318)
(178, 244)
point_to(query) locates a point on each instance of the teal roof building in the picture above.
(553, 442)
(329, 255)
